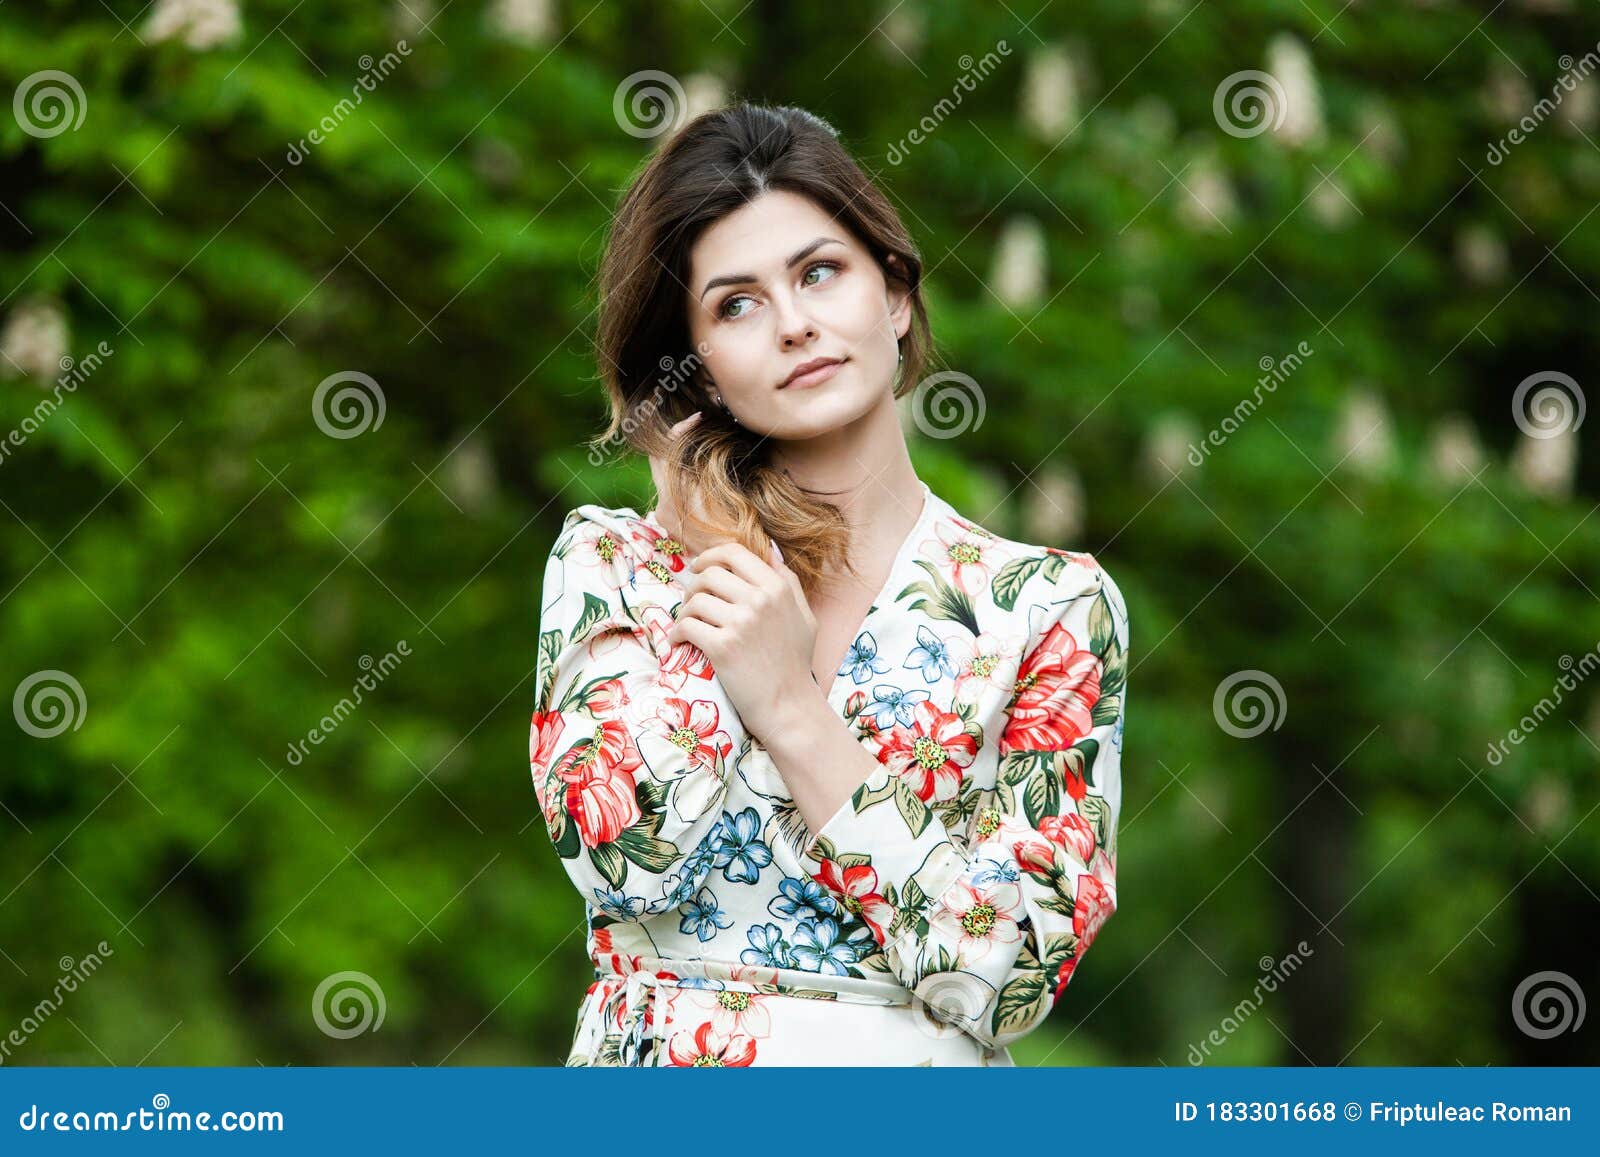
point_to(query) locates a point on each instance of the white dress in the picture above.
(939, 913)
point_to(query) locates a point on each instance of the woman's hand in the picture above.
(751, 619)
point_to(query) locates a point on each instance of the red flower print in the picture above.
(932, 753)
(693, 727)
(1057, 687)
(857, 888)
(1093, 909)
(707, 1047)
(542, 739)
(661, 545)
(600, 786)
(1072, 832)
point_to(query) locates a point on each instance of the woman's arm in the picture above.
(632, 737)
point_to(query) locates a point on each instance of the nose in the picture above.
(795, 329)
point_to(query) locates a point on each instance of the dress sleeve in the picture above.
(632, 739)
(987, 925)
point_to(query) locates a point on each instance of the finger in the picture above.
(723, 583)
(699, 634)
(740, 560)
(679, 427)
(708, 608)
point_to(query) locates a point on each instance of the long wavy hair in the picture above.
(710, 167)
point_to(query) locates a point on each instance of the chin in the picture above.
(818, 413)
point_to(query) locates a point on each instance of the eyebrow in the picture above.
(747, 278)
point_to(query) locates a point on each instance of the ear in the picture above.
(899, 296)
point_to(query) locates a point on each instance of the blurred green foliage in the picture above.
(183, 539)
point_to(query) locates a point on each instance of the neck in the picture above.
(865, 470)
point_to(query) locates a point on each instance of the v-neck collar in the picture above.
(908, 546)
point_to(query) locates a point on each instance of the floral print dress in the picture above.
(939, 913)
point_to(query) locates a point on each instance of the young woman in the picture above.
(835, 769)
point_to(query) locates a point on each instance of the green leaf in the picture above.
(608, 859)
(595, 608)
(1008, 582)
(651, 853)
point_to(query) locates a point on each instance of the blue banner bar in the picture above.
(669, 1113)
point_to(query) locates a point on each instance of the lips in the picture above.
(808, 372)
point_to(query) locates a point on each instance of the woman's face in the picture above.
(776, 284)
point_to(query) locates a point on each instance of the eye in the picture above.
(817, 267)
(724, 311)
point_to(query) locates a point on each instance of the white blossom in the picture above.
(34, 340)
(200, 24)
(1019, 274)
(1289, 62)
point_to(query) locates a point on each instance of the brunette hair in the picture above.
(710, 167)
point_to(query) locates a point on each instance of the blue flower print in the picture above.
(890, 705)
(742, 855)
(861, 661)
(677, 888)
(932, 656)
(802, 899)
(703, 916)
(988, 870)
(818, 947)
(768, 948)
(618, 906)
